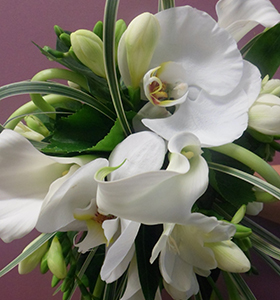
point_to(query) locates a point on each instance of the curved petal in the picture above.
(155, 197)
(76, 192)
(207, 52)
(238, 17)
(120, 253)
(140, 152)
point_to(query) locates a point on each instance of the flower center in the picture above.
(165, 85)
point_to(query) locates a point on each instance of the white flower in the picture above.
(26, 177)
(197, 67)
(238, 17)
(200, 245)
(154, 196)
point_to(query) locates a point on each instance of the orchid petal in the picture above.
(202, 45)
(141, 152)
(238, 17)
(76, 192)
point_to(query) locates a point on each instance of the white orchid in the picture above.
(200, 245)
(153, 196)
(27, 177)
(197, 66)
(238, 17)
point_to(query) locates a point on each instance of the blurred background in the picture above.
(22, 22)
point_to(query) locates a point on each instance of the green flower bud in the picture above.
(140, 40)
(55, 281)
(65, 38)
(37, 125)
(56, 261)
(119, 30)
(30, 262)
(44, 264)
(28, 132)
(58, 30)
(98, 29)
(242, 231)
(239, 215)
(270, 86)
(88, 48)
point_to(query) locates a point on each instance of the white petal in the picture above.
(208, 53)
(240, 16)
(141, 152)
(76, 192)
(110, 227)
(120, 253)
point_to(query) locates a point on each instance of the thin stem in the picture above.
(251, 160)
(30, 107)
(55, 73)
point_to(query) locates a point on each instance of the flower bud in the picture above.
(270, 86)
(56, 261)
(88, 48)
(229, 257)
(37, 125)
(30, 262)
(264, 115)
(136, 48)
(28, 133)
(98, 29)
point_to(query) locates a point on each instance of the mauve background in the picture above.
(24, 21)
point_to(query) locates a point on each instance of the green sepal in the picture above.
(98, 29)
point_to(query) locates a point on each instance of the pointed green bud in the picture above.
(88, 48)
(56, 261)
(44, 268)
(55, 281)
(141, 38)
(31, 262)
(119, 30)
(58, 30)
(37, 125)
(239, 215)
(242, 231)
(28, 132)
(55, 53)
(98, 29)
(65, 38)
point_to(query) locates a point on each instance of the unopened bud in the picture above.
(88, 48)
(28, 132)
(65, 38)
(30, 262)
(98, 29)
(239, 215)
(58, 30)
(37, 125)
(56, 261)
(137, 47)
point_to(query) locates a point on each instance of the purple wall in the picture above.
(22, 22)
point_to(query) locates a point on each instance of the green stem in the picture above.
(165, 4)
(99, 289)
(30, 107)
(231, 288)
(251, 160)
(54, 73)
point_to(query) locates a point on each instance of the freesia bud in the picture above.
(88, 48)
(137, 47)
(56, 261)
(270, 86)
(28, 132)
(37, 125)
(229, 257)
(264, 115)
(30, 262)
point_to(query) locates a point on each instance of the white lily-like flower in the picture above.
(238, 17)
(197, 67)
(153, 196)
(26, 177)
(196, 247)
(133, 289)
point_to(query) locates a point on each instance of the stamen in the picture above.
(99, 218)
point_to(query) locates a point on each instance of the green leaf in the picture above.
(265, 247)
(78, 132)
(27, 87)
(149, 274)
(242, 287)
(40, 241)
(110, 17)
(265, 52)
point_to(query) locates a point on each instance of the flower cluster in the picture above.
(129, 171)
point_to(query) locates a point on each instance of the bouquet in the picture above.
(140, 171)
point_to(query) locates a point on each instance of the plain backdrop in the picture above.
(22, 22)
